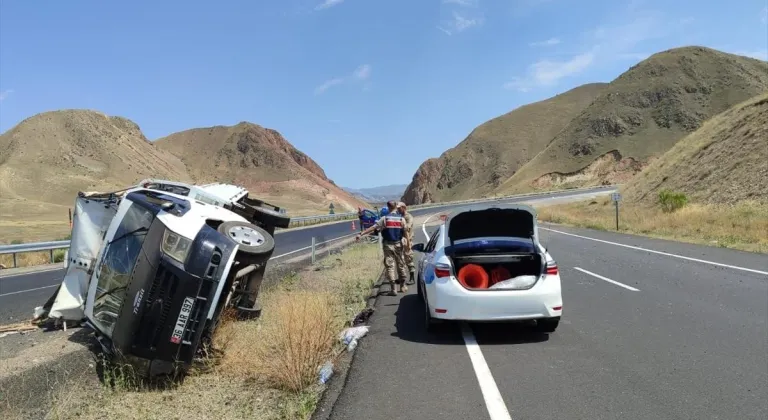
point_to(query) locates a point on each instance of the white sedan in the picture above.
(486, 264)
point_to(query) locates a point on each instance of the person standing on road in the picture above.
(392, 228)
(408, 242)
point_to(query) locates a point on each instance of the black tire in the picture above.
(430, 323)
(418, 288)
(547, 325)
(271, 217)
(260, 244)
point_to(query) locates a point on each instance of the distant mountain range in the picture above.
(378, 194)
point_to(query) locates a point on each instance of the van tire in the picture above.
(241, 233)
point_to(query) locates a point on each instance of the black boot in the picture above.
(412, 280)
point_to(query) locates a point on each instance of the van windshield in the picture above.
(117, 265)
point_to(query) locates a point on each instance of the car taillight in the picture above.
(551, 268)
(442, 270)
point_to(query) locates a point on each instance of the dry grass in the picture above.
(742, 226)
(269, 366)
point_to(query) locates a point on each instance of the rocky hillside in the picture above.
(261, 160)
(724, 161)
(641, 115)
(496, 149)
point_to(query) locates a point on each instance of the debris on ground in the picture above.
(362, 317)
(350, 336)
(326, 371)
(16, 328)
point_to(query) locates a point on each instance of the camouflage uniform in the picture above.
(397, 271)
(407, 244)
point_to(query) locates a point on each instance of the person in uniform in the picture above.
(392, 228)
(408, 242)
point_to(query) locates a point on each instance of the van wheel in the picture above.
(252, 240)
(547, 325)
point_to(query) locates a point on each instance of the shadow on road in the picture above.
(507, 333)
(410, 325)
(409, 322)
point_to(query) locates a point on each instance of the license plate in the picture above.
(181, 321)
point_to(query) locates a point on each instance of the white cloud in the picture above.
(328, 84)
(328, 3)
(602, 44)
(759, 54)
(548, 43)
(764, 15)
(5, 94)
(465, 3)
(549, 73)
(459, 23)
(362, 73)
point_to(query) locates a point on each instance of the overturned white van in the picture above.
(150, 268)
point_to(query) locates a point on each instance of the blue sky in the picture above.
(367, 88)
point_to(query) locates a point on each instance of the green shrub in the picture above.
(672, 201)
(58, 255)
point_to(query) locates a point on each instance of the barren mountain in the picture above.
(641, 115)
(724, 161)
(496, 149)
(261, 160)
(47, 158)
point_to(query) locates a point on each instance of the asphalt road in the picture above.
(20, 293)
(677, 337)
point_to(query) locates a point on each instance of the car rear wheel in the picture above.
(430, 322)
(547, 325)
(419, 286)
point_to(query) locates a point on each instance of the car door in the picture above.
(427, 269)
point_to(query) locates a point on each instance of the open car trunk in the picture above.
(495, 249)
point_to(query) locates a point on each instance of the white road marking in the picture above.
(493, 400)
(661, 253)
(28, 290)
(424, 226)
(607, 279)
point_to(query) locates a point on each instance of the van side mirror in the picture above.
(418, 247)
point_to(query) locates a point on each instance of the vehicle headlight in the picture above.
(175, 246)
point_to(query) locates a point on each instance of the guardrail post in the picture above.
(313, 250)
(14, 260)
(51, 252)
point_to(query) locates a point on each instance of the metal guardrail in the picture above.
(33, 247)
(295, 221)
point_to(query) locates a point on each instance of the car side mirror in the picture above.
(418, 247)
